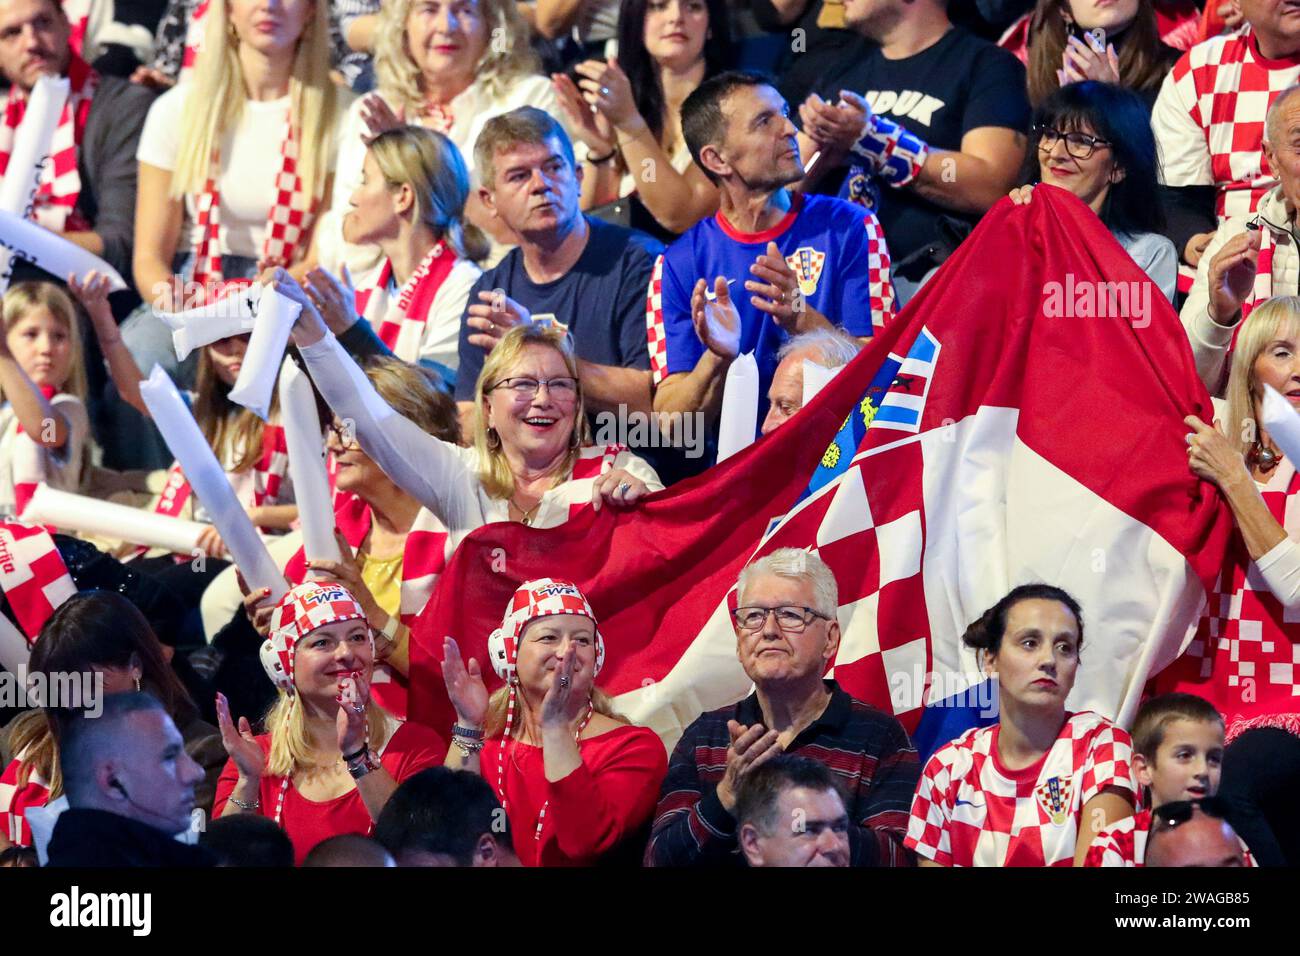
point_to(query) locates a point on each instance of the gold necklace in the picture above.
(527, 516)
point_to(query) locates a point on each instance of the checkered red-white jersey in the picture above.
(1124, 843)
(1209, 119)
(970, 810)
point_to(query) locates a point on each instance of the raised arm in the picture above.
(427, 468)
(92, 291)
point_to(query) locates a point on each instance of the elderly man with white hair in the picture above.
(786, 636)
(1251, 258)
(829, 348)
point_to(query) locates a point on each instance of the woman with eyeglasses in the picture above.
(1037, 787)
(1094, 140)
(575, 779)
(528, 462)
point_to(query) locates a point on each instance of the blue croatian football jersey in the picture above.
(835, 248)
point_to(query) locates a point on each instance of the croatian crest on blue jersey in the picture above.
(807, 264)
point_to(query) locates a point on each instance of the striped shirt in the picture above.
(868, 751)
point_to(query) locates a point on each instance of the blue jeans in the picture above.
(131, 440)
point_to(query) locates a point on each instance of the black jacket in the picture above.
(99, 838)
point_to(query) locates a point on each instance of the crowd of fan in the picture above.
(507, 222)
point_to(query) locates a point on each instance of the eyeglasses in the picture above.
(789, 617)
(560, 388)
(345, 435)
(1170, 815)
(1078, 145)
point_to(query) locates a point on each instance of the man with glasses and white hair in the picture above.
(786, 636)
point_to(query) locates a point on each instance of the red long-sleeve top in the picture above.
(606, 798)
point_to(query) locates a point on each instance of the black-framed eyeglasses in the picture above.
(790, 618)
(1078, 145)
(561, 388)
(1170, 815)
(345, 435)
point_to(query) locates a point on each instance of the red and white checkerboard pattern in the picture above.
(1226, 88)
(533, 599)
(970, 811)
(878, 281)
(59, 186)
(303, 609)
(194, 34)
(289, 218)
(1124, 843)
(656, 337)
(1245, 656)
(33, 576)
(16, 798)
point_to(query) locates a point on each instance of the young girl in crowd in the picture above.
(44, 429)
(574, 777)
(252, 451)
(1035, 788)
(331, 756)
(628, 111)
(1095, 140)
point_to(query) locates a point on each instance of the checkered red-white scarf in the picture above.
(55, 204)
(401, 328)
(33, 576)
(289, 222)
(194, 37)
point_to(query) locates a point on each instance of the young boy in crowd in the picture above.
(1177, 755)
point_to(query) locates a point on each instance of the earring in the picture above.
(493, 439)
(137, 685)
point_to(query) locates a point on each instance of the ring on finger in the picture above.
(623, 489)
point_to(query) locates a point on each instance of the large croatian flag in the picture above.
(1008, 427)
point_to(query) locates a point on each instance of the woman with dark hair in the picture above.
(103, 633)
(1094, 140)
(628, 111)
(1116, 41)
(1037, 786)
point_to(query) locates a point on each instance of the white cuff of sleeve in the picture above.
(1280, 569)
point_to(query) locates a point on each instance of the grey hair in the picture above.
(831, 348)
(801, 566)
(1275, 110)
